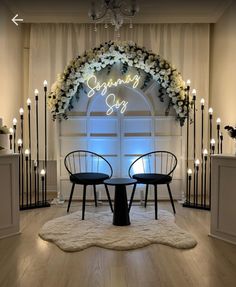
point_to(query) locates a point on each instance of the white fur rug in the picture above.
(70, 233)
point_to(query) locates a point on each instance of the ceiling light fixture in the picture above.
(114, 12)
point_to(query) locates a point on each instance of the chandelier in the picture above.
(114, 12)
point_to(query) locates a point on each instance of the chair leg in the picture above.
(171, 198)
(84, 200)
(109, 198)
(155, 196)
(132, 197)
(146, 196)
(95, 195)
(71, 194)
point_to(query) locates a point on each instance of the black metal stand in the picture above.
(30, 151)
(25, 165)
(199, 197)
(45, 152)
(14, 135)
(221, 143)
(187, 140)
(37, 141)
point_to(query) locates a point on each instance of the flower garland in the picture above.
(94, 60)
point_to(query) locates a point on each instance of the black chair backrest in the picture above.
(87, 161)
(162, 162)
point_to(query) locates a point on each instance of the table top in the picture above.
(120, 181)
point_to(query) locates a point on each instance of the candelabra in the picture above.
(25, 160)
(201, 182)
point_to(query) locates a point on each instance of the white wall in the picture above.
(10, 66)
(223, 70)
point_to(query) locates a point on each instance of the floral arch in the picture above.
(72, 79)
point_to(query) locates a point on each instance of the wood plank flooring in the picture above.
(28, 261)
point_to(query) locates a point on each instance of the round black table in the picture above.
(121, 211)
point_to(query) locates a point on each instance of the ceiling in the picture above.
(151, 11)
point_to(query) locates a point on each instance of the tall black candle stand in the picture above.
(30, 150)
(27, 176)
(42, 173)
(194, 141)
(36, 195)
(205, 178)
(14, 134)
(202, 143)
(21, 199)
(212, 152)
(37, 137)
(194, 124)
(189, 185)
(196, 181)
(221, 143)
(10, 137)
(210, 125)
(22, 125)
(187, 140)
(22, 156)
(218, 134)
(45, 137)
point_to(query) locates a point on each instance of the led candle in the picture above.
(21, 111)
(213, 145)
(202, 102)
(210, 111)
(28, 102)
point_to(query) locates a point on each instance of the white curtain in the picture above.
(52, 46)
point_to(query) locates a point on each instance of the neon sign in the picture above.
(112, 101)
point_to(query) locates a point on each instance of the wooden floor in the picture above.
(28, 261)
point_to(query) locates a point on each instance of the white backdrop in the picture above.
(52, 46)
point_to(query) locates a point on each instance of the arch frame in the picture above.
(71, 81)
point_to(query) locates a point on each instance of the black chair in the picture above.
(154, 168)
(87, 168)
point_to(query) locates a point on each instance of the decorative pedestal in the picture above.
(223, 199)
(9, 194)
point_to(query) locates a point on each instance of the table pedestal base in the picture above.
(121, 213)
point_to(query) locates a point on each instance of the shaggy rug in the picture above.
(70, 233)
